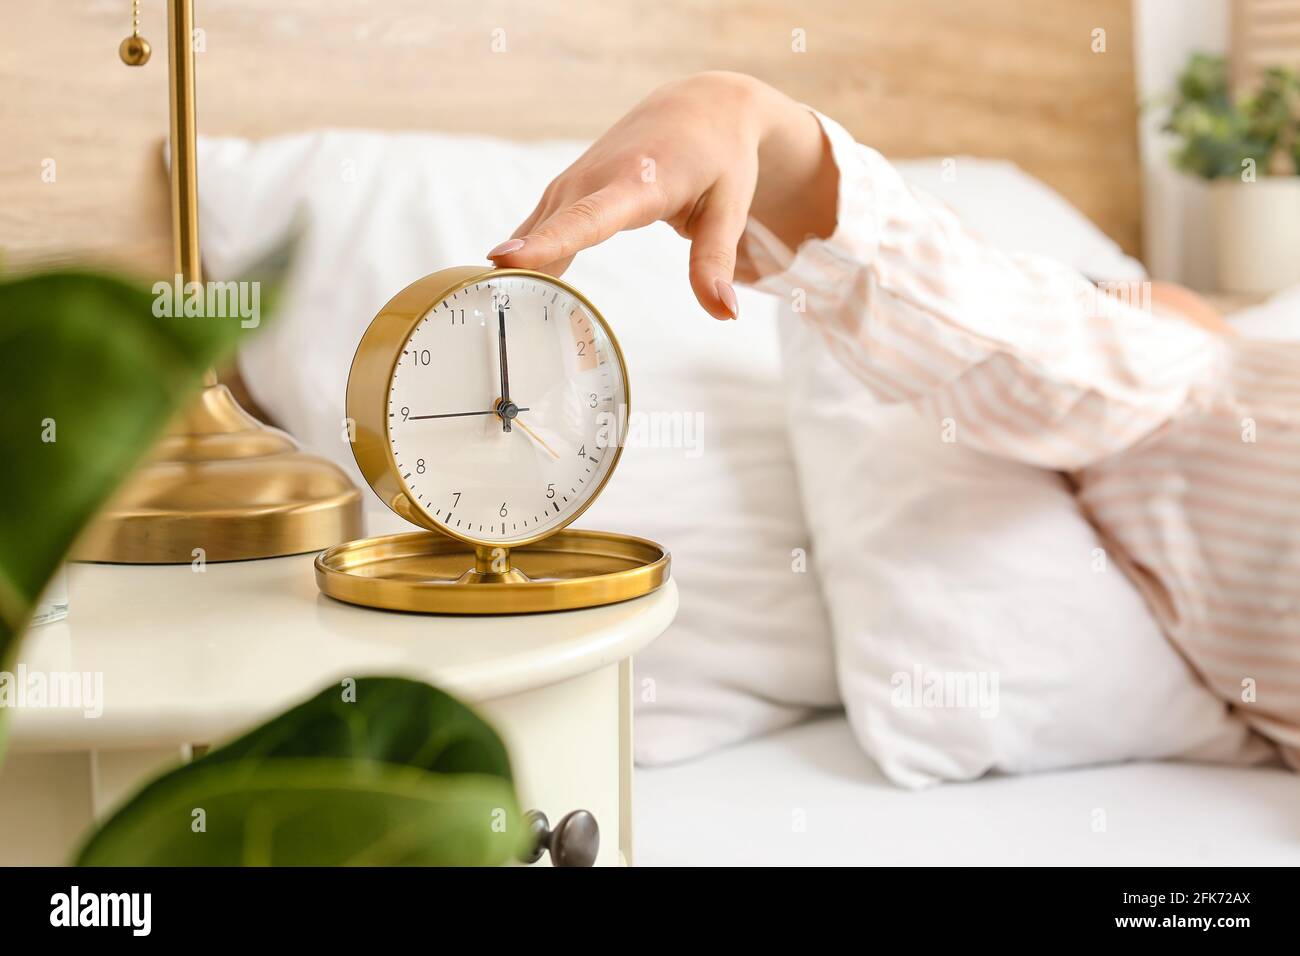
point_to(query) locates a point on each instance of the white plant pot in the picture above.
(1257, 234)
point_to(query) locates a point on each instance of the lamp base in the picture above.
(221, 486)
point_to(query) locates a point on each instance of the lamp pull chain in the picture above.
(135, 49)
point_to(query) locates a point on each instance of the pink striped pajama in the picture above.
(1184, 445)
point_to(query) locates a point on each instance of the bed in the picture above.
(1002, 78)
(808, 796)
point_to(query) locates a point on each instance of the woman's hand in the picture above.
(702, 154)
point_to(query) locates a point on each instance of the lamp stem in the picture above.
(184, 147)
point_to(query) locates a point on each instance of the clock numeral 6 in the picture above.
(503, 511)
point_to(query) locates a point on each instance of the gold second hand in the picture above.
(537, 438)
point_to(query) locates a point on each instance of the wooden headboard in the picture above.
(80, 168)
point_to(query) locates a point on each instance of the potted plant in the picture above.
(385, 771)
(1248, 148)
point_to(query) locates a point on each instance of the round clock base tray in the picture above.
(421, 572)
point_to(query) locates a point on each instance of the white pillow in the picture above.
(948, 573)
(1018, 213)
(750, 649)
(978, 622)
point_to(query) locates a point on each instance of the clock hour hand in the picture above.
(505, 370)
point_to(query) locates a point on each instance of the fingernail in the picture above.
(728, 296)
(507, 247)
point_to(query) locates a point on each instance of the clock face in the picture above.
(506, 409)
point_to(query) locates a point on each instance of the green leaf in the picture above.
(314, 812)
(405, 775)
(91, 377)
(392, 720)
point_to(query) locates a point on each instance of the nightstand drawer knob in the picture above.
(575, 841)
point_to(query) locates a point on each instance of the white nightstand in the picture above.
(191, 658)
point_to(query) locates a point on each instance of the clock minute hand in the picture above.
(505, 371)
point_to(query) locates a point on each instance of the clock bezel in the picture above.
(370, 381)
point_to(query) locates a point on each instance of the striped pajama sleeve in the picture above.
(1185, 446)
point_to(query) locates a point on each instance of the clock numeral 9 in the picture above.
(406, 412)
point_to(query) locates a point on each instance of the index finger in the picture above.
(580, 225)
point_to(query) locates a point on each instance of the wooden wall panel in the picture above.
(1005, 78)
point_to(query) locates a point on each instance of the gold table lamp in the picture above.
(221, 486)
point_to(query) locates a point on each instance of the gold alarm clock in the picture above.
(489, 408)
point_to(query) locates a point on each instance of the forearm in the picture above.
(1012, 347)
